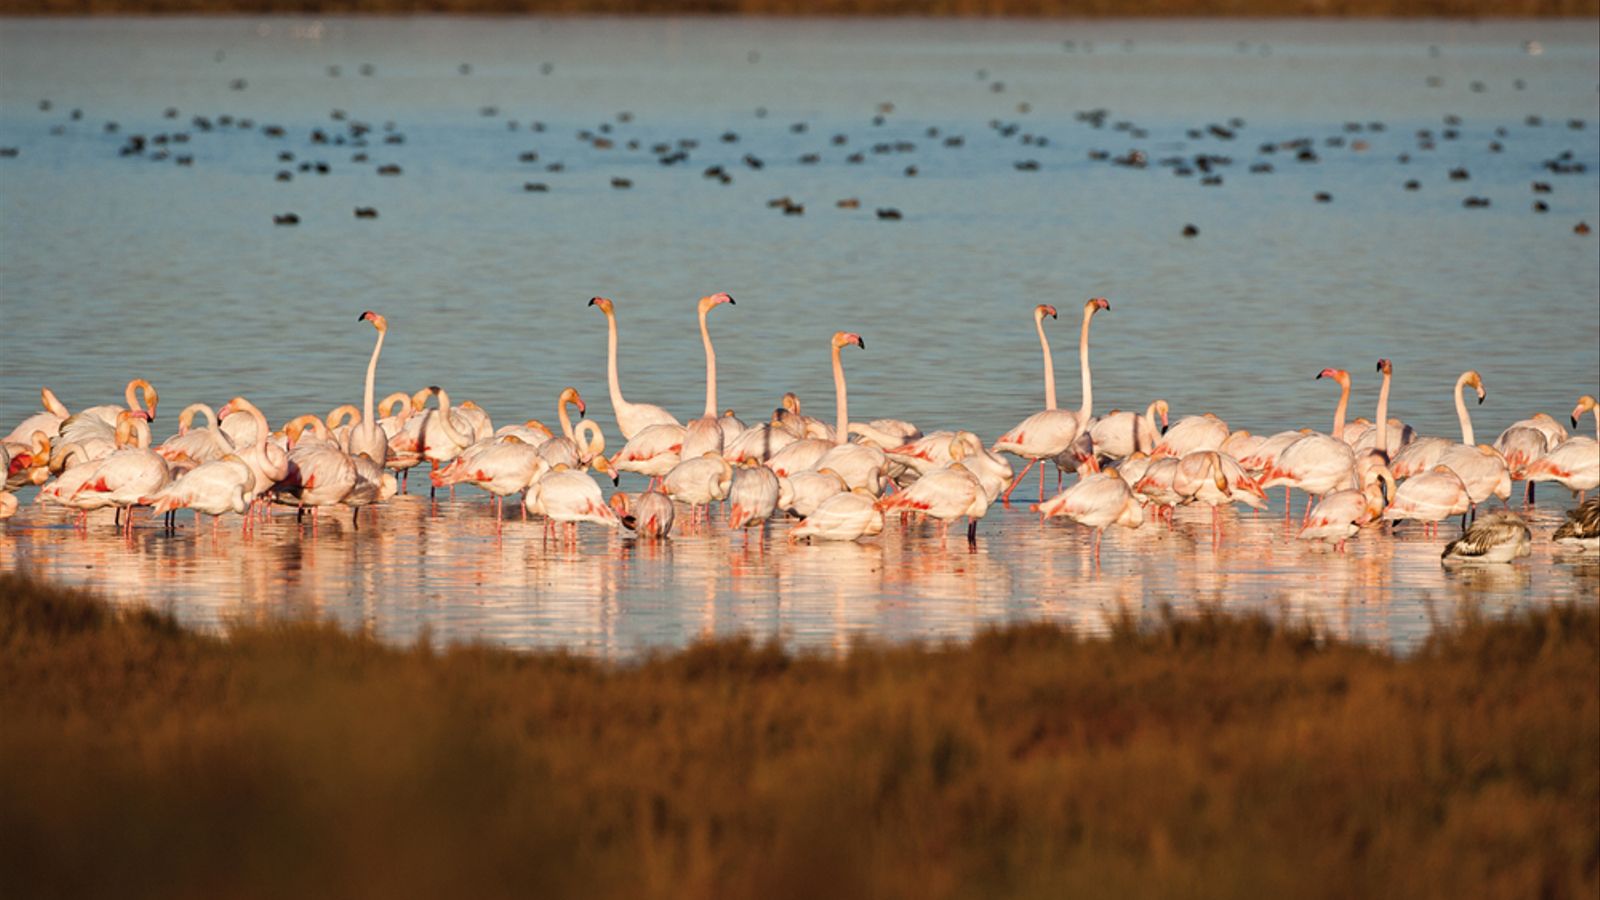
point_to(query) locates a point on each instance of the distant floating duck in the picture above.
(390, 169)
(1499, 538)
(1581, 228)
(1190, 231)
(1324, 197)
(849, 203)
(1581, 531)
(889, 212)
(621, 184)
(286, 219)
(535, 187)
(366, 212)
(1475, 202)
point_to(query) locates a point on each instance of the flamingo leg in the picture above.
(1041, 481)
(1097, 533)
(1007, 498)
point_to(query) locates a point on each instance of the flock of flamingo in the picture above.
(839, 479)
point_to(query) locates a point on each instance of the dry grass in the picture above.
(939, 8)
(1220, 757)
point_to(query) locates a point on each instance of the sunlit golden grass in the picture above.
(1223, 756)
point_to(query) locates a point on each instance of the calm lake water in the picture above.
(117, 266)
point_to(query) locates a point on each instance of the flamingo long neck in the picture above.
(1049, 364)
(55, 407)
(448, 427)
(841, 433)
(1150, 416)
(1383, 416)
(566, 421)
(613, 380)
(1339, 411)
(1083, 364)
(711, 368)
(368, 420)
(260, 419)
(1462, 414)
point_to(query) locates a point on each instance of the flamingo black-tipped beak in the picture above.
(1481, 397)
(1163, 429)
(862, 343)
(1574, 421)
(731, 302)
(1380, 365)
(592, 300)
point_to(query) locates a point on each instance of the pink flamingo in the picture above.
(848, 516)
(1575, 462)
(367, 437)
(705, 433)
(1048, 433)
(632, 418)
(1422, 453)
(1317, 463)
(1340, 515)
(1430, 498)
(47, 420)
(1099, 500)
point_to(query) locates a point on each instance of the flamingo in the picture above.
(214, 487)
(1576, 461)
(801, 493)
(47, 420)
(441, 437)
(859, 465)
(102, 420)
(1500, 538)
(632, 418)
(367, 437)
(567, 496)
(27, 463)
(1422, 454)
(1318, 463)
(699, 481)
(650, 515)
(1341, 515)
(188, 447)
(506, 466)
(1120, 433)
(320, 473)
(1191, 434)
(129, 474)
(268, 462)
(1387, 440)
(1047, 434)
(752, 496)
(653, 451)
(1430, 498)
(64, 490)
(848, 516)
(567, 448)
(1099, 500)
(945, 494)
(1215, 480)
(1546, 425)
(705, 433)
(1156, 485)
(1581, 530)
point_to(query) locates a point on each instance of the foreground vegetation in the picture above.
(1222, 756)
(950, 8)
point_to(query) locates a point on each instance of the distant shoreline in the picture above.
(939, 9)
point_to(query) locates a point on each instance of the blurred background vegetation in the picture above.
(1218, 756)
(967, 8)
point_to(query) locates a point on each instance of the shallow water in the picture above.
(113, 267)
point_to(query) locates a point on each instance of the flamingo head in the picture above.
(603, 303)
(1162, 410)
(717, 299)
(419, 400)
(1338, 375)
(378, 322)
(150, 398)
(791, 402)
(844, 338)
(1585, 404)
(1096, 304)
(570, 395)
(1476, 380)
(1385, 367)
(603, 465)
(1042, 310)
